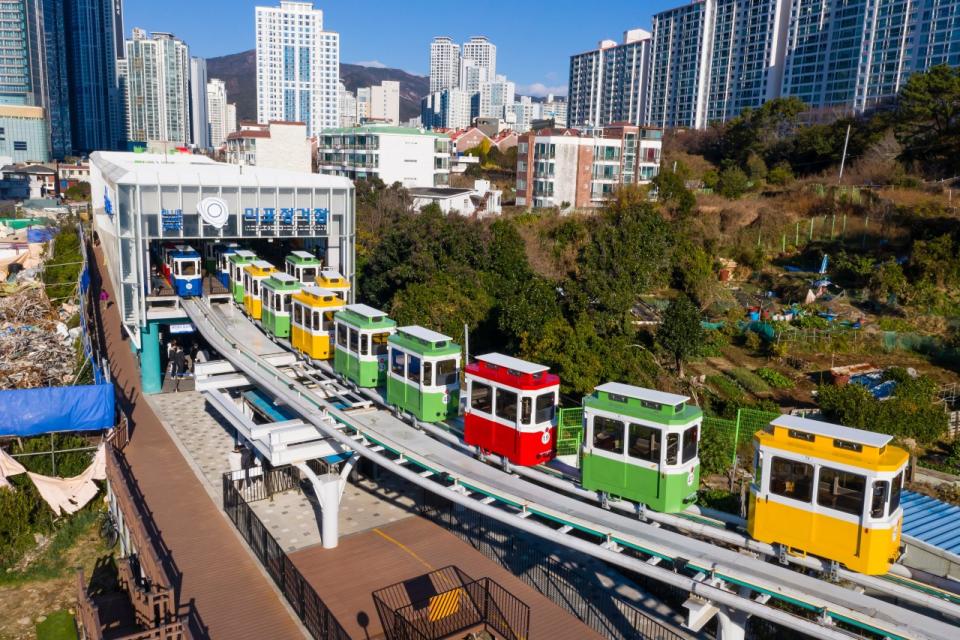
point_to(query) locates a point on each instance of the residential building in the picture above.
(609, 84)
(23, 133)
(58, 82)
(276, 145)
(363, 104)
(231, 117)
(95, 46)
(556, 109)
(483, 53)
(467, 139)
(472, 75)
(157, 81)
(385, 102)
(29, 181)
(199, 118)
(348, 107)
(447, 109)
(481, 200)
(568, 168)
(298, 66)
(71, 174)
(495, 96)
(22, 76)
(412, 157)
(444, 64)
(505, 140)
(521, 113)
(217, 112)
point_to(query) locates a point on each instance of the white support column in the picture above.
(731, 625)
(328, 489)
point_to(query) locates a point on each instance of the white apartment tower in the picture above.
(495, 96)
(231, 117)
(199, 120)
(157, 76)
(444, 64)
(298, 66)
(609, 84)
(217, 110)
(483, 53)
(348, 106)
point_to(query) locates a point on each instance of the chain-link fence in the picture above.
(723, 439)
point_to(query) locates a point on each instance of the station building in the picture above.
(142, 201)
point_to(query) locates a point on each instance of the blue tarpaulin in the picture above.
(31, 412)
(40, 234)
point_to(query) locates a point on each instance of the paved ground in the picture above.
(220, 583)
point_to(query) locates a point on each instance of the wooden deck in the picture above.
(220, 584)
(345, 577)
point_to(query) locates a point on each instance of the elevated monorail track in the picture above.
(732, 580)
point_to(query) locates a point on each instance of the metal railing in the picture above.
(255, 484)
(454, 603)
(301, 595)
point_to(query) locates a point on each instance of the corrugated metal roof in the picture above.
(931, 521)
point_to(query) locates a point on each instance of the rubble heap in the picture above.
(36, 349)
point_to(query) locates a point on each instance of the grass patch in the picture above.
(749, 380)
(726, 388)
(775, 379)
(52, 563)
(59, 625)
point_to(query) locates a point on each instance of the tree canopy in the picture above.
(927, 122)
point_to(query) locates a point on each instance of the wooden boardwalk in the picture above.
(345, 577)
(220, 584)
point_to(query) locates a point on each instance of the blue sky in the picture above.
(534, 38)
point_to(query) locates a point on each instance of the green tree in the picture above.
(888, 283)
(781, 174)
(680, 333)
(445, 302)
(673, 193)
(733, 183)
(527, 309)
(629, 254)
(936, 260)
(694, 273)
(927, 121)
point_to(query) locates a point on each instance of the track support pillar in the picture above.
(731, 624)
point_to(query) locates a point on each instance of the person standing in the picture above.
(178, 365)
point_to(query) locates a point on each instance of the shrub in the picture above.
(733, 183)
(726, 388)
(775, 379)
(752, 341)
(719, 499)
(716, 448)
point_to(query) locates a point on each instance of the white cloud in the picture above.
(538, 89)
(376, 64)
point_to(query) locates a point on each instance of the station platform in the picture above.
(402, 550)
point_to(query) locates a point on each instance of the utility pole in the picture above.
(843, 159)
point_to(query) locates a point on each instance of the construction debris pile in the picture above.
(36, 348)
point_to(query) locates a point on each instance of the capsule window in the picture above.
(647, 404)
(690, 438)
(617, 398)
(447, 372)
(342, 335)
(546, 406)
(526, 409)
(673, 447)
(801, 435)
(481, 397)
(380, 344)
(506, 407)
(847, 445)
(364, 344)
(878, 502)
(644, 443)
(354, 341)
(413, 369)
(608, 434)
(427, 378)
(895, 492)
(791, 479)
(841, 490)
(298, 315)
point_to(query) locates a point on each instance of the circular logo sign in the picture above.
(545, 438)
(690, 477)
(213, 211)
(446, 397)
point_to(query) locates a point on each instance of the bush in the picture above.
(719, 499)
(780, 175)
(752, 341)
(716, 449)
(749, 380)
(775, 379)
(733, 183)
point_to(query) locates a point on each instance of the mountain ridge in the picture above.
(239, 73)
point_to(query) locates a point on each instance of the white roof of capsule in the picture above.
(365, 311)
(284, 277)
(641, 393)
(424, 334)
(330, 273)
(829, 430)
(306, 255)
(245, 253)
(318, 291)
(262, 264)
(509, 362)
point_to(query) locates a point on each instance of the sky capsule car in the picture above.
(511, 408)
(332, 280)
(275, 295)
(313, 326)
(641, 444)
(236, 263)
(185, 277)
(424, 373)
(221, 261)
(361, 351)
(303, 265)
(253, 276)
(828, 490)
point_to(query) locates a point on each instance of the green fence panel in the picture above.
(569, 431)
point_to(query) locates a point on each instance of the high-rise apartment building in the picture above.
(22, 80)
(554, 109)
(483, 53)
(231, 117)
(495, 96)
(472, 75)
(199, 118)
(94, 40)
(298, 66)
(609, 83)
(444, 64)
(157, 81)
(447, 109)
(217, 112)
(58, 81)
(348, 106)
(385, 102)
